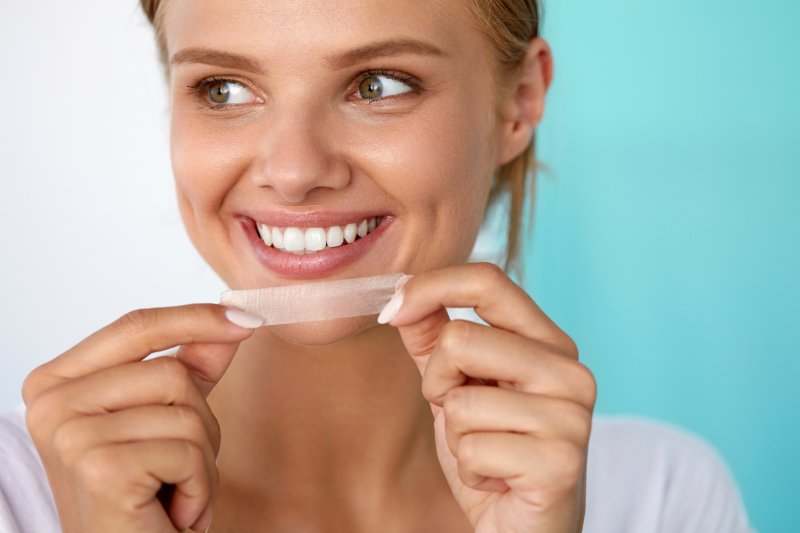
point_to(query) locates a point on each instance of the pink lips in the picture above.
(316, 264)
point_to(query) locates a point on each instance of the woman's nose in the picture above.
(298, 156)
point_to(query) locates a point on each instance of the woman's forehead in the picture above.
(257, 27)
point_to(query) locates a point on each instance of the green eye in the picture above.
(371, 88)
(374, 87)
(219, 92)
(229, 93)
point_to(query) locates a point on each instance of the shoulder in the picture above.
(649, 476)
(26, 503)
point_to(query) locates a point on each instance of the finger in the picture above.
(149, 422)
(420, 338)
(476, 409)
(161, 381)
(522, 462)
(484, 287)
(468, 350)
(135, 336)
(207, 362)
(135, 472)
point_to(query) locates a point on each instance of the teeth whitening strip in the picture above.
(324, 300)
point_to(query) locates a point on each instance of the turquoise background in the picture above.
(667, 230)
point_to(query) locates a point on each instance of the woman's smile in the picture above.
(314, 244)
(312, 240)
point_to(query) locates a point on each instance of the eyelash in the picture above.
(200, 90)
(200, 87)
(411, 81)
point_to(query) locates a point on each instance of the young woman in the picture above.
(331, 140)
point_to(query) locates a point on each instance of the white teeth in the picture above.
(315, 239)
(335, 236)
(277, 238)
(294, 240)
(266, 234)
(299, 241)
(350, 233)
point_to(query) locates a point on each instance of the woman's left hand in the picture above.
(514, 452)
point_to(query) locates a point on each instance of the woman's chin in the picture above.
(322, 333)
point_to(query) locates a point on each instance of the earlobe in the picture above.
(524, 107)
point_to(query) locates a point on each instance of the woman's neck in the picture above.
(342, 425)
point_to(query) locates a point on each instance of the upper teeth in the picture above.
(309, 240)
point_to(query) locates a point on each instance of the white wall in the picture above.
(89, 223)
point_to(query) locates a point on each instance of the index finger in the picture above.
(486, 288)
(139, 333)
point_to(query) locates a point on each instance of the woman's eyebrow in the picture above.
(209, 56)
(383, 49)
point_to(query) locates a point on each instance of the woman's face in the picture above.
(317, 116)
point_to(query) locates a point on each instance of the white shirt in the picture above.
(642, 477)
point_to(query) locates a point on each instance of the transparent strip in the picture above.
(324, 300)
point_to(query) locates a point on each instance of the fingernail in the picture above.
(391, 309)
(242, 319)
(402, 282)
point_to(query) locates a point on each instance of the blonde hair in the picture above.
(510, 25)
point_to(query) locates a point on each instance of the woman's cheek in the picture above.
(205, 165)
(437, 168)
(206, 160)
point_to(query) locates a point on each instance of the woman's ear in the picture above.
(523, 102)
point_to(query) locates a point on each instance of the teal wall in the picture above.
(667, 230)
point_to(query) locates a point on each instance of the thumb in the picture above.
(420, 337)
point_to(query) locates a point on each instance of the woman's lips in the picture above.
(316, 264)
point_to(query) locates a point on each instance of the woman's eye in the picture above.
(374, 87)
(229, 92)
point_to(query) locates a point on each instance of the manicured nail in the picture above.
(402, 282)
(242, 319)
(391, 309)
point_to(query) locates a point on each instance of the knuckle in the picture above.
(34, 416)
(199, 313)
(468, 452)
(579, 421)
(586, 384)
(33, 384)
(193, 452)
(133, 322)
(568, 459)
(457, 405)
(454, 337)
(490, 275)
(191, 421)
(489, 270)
(39, 414)
(570, 346)
(430, 389)
(171, 370)
(66, 440)
(96, 470)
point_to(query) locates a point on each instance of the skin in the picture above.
(295, 428)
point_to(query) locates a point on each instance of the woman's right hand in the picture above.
(111, 429)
